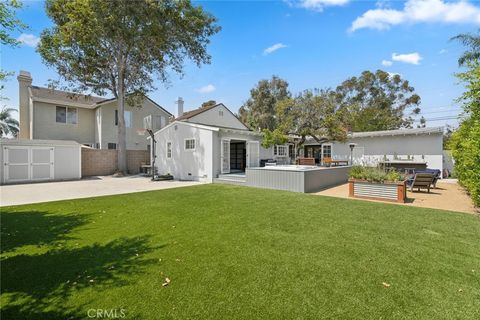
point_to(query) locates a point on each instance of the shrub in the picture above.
(374, 174)
(465, 141)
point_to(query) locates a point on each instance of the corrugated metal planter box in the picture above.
(386, 191)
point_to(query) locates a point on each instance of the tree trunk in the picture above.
(121, 133)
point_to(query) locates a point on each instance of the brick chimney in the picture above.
(24, 83)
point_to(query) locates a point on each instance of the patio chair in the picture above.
(435, 172)
(327, 161)
(421, 181)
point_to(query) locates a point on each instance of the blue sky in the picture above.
(319, 43)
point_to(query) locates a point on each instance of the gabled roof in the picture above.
(80, 100)
(100, 103)
(193, 113)
(59, 96)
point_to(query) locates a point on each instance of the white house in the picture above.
(409, 146)
(207, 142)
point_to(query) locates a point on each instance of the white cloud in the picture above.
(417, 11)
(206, 89)
(442, 51)
(273, 48)
(318, 5)
(29, 40)
(412, 58)
(387, 63)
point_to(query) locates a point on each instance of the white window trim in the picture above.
(331, 149)
(171, 150)
(185, 144)
(276, 148)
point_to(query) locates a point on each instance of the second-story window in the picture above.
(128, 118)
(66, 115)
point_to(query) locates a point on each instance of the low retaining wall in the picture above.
(96, 162)
(301, 180)
(388, 191)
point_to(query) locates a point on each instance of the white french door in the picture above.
(225, 156)
(253, 154)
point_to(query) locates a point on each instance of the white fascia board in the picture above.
(194, 125)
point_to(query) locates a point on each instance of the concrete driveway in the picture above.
(85, 188)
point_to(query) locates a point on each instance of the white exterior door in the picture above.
(225, 156)
(23, 164)
(253, 154)
(41, 163)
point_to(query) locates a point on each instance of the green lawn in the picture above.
(242, 253)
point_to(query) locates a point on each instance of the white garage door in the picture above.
(23, 164)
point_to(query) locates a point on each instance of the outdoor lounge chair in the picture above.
(435, 172)
(421, 181)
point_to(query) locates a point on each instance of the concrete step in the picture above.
(229, 181)
(233, 177)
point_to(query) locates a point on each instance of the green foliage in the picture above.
(259, 111)
(8, 125)
(378, 101)
(275, 137)
(119, 46)
(312, 113)
(9, 23)
(472, 42)
(374, 174)
(465, 141)
(209, 103)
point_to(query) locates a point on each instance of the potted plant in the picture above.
(378, 184)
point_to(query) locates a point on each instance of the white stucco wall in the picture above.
(185, 164)
(371, 150)
(218, 116)
(219, 136)
(66, 158)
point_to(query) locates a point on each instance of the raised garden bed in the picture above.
(385, 191)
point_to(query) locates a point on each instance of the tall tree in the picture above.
(209, 103)
(9, 23)
(378, 101)
(472, 42)
(8, 125)
(118, 46)
(259, 110)
(312, 113)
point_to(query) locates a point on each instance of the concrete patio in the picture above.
(85, 188)
(448, 195)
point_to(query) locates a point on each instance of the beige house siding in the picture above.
(134, 140)
(45, 125)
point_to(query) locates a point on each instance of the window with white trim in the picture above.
(190, 144)
(66, 115)
(280, 150)
(169, 150)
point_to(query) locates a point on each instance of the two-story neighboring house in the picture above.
(58, 115)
